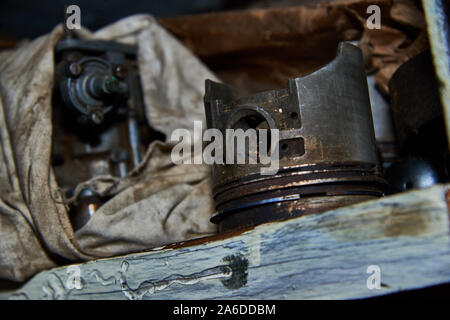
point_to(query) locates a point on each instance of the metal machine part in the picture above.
(411, 174)
(99, 123)
(415, 98)
(418, 119)
(328, 156)
(91, 86)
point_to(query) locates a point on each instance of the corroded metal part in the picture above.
(327, 148)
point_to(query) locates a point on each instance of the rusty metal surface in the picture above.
(327, 144)
(278, 211)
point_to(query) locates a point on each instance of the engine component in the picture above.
(411, 174)
(327, 150)
(99, 123)
(90, 87)
(415, 99)
(419, 123)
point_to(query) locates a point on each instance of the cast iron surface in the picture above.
(328, 155)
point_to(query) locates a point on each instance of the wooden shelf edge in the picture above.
(333, 255)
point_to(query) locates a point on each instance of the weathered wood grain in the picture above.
(323, 256)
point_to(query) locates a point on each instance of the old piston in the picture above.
(327, 150)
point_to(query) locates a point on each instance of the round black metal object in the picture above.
(90, 87)
(411, 174)
(327, 151)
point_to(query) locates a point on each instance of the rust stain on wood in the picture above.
(406, 222)
(380, 220)
(199, 241)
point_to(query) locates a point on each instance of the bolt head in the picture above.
(120, 72)
(74, 69)
(97, 117)
(112, 84)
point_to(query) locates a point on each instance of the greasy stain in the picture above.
(239, 266)
(405, 222)
(381, 220)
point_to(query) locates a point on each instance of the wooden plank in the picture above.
(322, 256)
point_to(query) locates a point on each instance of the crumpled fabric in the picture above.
(402, 36)
(156, 204)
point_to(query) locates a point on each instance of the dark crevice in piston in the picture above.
(327, 151)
